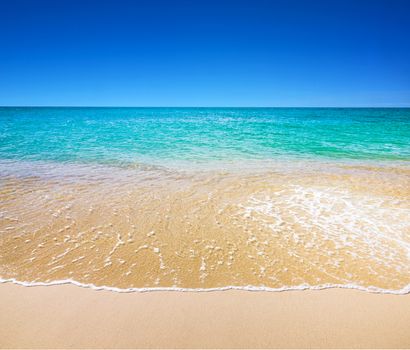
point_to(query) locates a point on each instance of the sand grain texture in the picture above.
(72, 317)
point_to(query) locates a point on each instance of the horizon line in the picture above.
(129, 106)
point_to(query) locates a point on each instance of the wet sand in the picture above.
(139, 228)
(67, 316)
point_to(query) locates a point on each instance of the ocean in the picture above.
(138, 199)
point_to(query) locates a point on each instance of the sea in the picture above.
(203, 199)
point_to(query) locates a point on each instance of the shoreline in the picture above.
(256, 230)
(250, 288)
(66, 316)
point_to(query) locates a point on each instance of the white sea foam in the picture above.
(371, 289)
(337, 214)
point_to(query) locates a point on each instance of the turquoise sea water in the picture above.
(137, 199)
(154, 135)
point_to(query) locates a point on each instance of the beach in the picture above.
(204, 174)
(68, 316)
(220, 228)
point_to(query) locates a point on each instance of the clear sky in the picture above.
(205, 53)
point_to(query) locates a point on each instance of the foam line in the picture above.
(371, 289)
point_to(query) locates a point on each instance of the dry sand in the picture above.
(72, 317)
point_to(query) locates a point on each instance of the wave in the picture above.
(250, 288)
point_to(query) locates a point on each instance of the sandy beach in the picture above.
(204, 174)
(67, 316)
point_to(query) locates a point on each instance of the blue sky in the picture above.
(205, 53)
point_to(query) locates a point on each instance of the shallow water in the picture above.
(137, 199)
